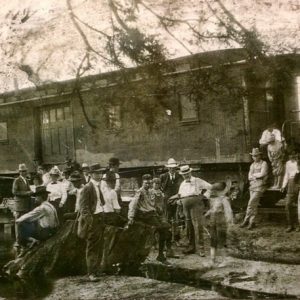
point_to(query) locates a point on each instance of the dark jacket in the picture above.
(22, 193)
(87, 207)
(169, 187)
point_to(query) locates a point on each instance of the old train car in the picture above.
(207, 109)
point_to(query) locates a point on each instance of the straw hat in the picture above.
(171, 163)
(22, 167)
(185, 170)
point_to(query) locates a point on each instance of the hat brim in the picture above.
(172, 165)
(186, 172)
(74, 180)
(258, 153)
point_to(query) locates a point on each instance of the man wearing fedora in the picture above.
(94, 214)
(86, 173)
(40, 223)
(170, 182)
(258, 176)
(21, 191)
(113, 166)
(191, 197)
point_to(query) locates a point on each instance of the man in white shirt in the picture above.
(57, 192)
(95, 213)
(190, 194)
(114, 164)
(266, 135)
(288, 185)
(40, 223)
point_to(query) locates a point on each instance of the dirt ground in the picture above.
(122, 287)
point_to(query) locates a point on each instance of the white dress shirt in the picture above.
(290, 171)
(193, 187)
(117, 185)
(111, 200)
(266, 135)
(45, 214)
(57, 191)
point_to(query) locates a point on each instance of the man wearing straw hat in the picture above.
(170, 182)
(191, 198)
(258, 176)
(21, 191)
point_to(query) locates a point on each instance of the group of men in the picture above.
(286, 177)
(56, 197)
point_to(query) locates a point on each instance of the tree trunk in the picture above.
(64, 255)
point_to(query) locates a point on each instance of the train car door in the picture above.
(57, 133)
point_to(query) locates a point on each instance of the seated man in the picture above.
(143, 209)
(40, 223)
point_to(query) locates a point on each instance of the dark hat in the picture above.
(110, 177)
(75, 176)
(96, 168)
(147, 177)
(114, 161)
(40, 190)
(67, 169)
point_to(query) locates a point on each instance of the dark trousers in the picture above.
(34, 230)
(193, 208)
(95, 243)
(290, 200)
(163, 228)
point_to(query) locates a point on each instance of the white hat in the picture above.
(55, 171)
(185, 170)
(171, 163)
(22, 167)
(85, 166)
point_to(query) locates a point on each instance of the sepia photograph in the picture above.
(149, 149)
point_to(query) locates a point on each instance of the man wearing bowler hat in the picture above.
(40, 223)
(258, 176)
(21, 191)
(191, 198)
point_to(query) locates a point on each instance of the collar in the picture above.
(23, 177)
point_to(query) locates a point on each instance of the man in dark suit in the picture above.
(21, 191)
(95, 213)
(170, 182)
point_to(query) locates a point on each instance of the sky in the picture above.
(49, 43)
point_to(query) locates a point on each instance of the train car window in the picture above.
(188, 108)
(114, 117)
(3, 131)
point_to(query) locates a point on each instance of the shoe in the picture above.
(190, 250)
(201, 253)
(251, 226)
(93, 278)
(298, 229)
(161, 258)
(289, 229)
